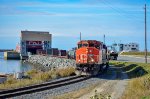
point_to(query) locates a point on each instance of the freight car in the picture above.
(91, 57)
(71, 54)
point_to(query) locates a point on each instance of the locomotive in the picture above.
(91, 57)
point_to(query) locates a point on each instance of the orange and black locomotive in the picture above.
(91, 57)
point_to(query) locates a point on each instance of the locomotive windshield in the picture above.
(79, 45)
(82, 45)
(85, 45)
(91, 45)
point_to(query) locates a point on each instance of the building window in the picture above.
(132, 45)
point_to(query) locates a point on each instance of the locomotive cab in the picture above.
(91, 56)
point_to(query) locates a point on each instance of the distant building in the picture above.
(129, 47)
(31, 41)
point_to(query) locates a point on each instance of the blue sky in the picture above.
(122, 21)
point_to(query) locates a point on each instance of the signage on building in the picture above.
(34, 44)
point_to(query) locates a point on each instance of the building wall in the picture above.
(32, 39)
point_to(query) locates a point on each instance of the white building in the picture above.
(129, 47)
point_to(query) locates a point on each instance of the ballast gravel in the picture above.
(60, 90)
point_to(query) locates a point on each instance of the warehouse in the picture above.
(32, 41)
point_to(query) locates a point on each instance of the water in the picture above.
(12, 66)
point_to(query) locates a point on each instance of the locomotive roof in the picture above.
(90, 41)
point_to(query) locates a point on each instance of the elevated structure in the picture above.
(31, 41)
(11, 55)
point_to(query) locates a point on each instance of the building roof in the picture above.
(35, 36)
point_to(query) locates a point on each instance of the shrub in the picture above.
(43, 76)
(11, 81)
(66, 71)
(146, 83)
(32, 72)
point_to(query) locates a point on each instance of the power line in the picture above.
(119, 11)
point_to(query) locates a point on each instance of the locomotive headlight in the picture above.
(92, 60)
(86, 50)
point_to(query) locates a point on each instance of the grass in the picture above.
(135, 53)
(139, 83)
(66, 72)
(138, 88)
(36, 77)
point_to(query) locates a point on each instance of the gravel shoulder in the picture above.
(113, 88)
(112, 83)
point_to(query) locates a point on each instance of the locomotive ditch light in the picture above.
(92, 60)
(90, 50)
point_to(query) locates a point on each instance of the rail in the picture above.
(41, 87)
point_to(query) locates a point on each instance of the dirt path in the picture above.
(113, 88)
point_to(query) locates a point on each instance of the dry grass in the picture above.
(139, 86)
(135, 53)
(36, 77)
(66, 71)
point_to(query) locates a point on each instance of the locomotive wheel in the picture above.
(106, 68)
(95, 72)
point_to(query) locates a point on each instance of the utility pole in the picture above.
(80, 36)
(145, 36)
(104, 38)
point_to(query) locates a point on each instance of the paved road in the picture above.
(132, 59)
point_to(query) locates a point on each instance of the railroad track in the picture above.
(41, 87)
